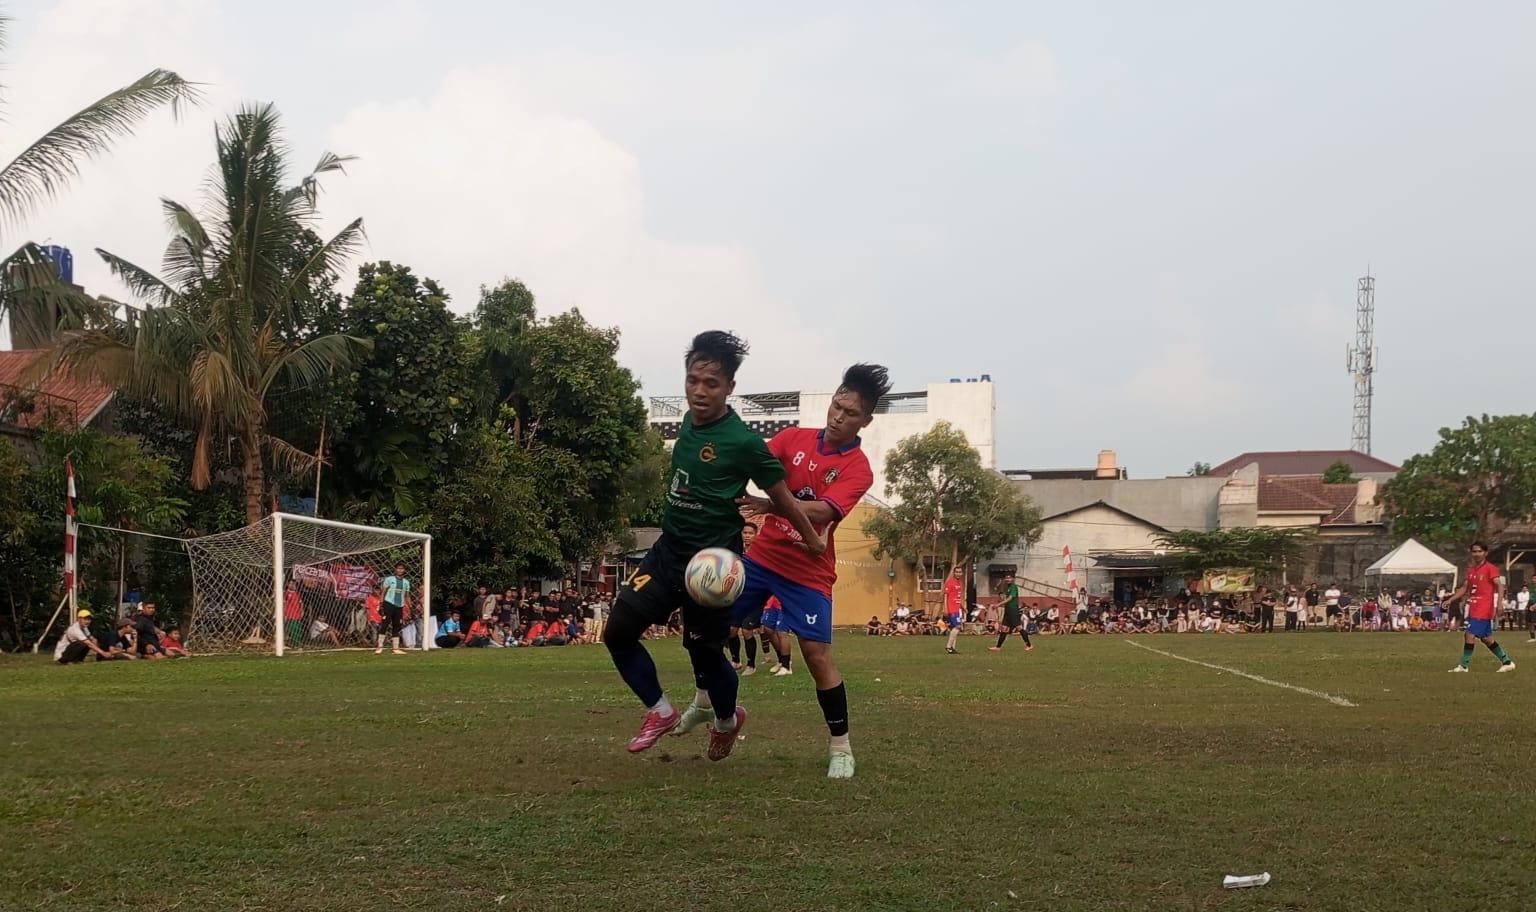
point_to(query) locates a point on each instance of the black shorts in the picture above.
(1013, 618)
(656, 590)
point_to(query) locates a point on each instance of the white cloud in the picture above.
(490, 177)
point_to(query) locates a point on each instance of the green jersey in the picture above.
(1011, 597)
(711, 466)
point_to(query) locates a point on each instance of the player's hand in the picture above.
(754, 506)
(815, 546)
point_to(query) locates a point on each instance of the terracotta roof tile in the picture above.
(76, 400)
(1278, 493)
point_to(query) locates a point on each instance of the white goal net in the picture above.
(295, 582)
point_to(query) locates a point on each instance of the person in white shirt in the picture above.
(1292, 608)
(1526, 611)
(78, 642)
(1331, 601)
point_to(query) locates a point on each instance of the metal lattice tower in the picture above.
(1362, 361)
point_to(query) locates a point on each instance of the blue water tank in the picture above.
(64, 260)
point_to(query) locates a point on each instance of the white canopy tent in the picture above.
(1413, 559)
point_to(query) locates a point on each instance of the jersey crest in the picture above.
(707, 454)
(831, 476)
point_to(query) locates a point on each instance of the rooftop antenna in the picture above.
(1361, 360)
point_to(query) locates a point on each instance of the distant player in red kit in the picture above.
(828, 474)
(954, 608)
(1483, 592)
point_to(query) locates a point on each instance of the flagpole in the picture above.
(70, 544)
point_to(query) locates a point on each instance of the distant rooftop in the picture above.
(23, 404)
(1304, 462)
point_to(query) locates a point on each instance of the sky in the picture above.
(1144, 221)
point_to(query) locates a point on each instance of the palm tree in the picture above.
(47, 165)
(223, 327)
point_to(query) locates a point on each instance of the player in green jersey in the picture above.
(1013, 617)
(716, 454)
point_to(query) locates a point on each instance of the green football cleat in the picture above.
(841, 766)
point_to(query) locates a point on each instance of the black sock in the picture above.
(712, 673)
(783, 658)
(735, 644)
(834, 708)
(751, 652)
(1025, 634)
(1001, 639)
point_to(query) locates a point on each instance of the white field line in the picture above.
(1336, 701)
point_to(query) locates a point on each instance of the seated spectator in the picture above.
(320, 630)
(176, 649)
(479, 635)
(78, 642)
(873, 627)
(534, 633)
(449, 633)
(554, 635)
(576, 630)
(118, 642)
(146, 636)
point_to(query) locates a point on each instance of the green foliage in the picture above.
(1477, 480)
(240, 283)
(948, 507)
(1339, 473)
(1199, 469)
(1263, 549)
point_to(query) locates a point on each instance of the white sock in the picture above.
(701, 699)
(725, 725)
(663, 707)
(840, 745)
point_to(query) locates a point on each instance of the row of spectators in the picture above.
(136, 635)
(515, 618)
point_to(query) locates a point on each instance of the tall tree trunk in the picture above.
(255, 480)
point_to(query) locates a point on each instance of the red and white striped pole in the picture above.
(1066, 560)
(70, 536)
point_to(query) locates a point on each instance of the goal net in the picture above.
(296, 582)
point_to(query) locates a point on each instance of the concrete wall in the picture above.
(1085, 531)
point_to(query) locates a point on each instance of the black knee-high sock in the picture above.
(834, 708)
(751, 652)
(638, 670)
(767, 643)
(735, 644)
(1001, 639)
(1024, 632)
(784, 657)
(712, 673)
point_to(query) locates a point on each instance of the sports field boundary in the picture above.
(1331, 698)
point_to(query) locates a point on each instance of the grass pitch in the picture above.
(1088, 774)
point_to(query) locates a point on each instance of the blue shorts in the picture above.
(1480, 629)
(807, 613)
(770, 618)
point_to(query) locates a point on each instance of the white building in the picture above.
(969, 405)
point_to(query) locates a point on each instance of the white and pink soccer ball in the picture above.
(715, 577)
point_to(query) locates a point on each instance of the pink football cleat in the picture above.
(720, 743)
(652, 729)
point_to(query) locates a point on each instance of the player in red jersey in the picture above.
(954, 608)
(1483, 592)
(829, 474)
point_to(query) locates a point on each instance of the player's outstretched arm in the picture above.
(819, 512)
(785, 504)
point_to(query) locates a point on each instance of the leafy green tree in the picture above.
(1339, 473)
(222, 336)
(412, 394)
(947, 506)
(44, 168)
(1262, 549)
(1199, 469)
(1477, 480)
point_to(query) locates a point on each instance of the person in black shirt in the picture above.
(145, 634)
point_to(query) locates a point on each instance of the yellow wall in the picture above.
(864, 586)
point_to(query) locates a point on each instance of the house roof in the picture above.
(1189, 502)
(1308, 493)
(1108, 506)
(77, 400)
(1304, 462)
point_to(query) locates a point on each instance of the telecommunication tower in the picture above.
(1362, 361)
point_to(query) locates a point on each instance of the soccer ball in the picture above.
(715, 577)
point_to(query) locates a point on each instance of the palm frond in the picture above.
(290, 459)
(312, 362)
(308, 189)
(184, 222)
(43, 168)
(328, 258)
(39, 303)
(143, 283)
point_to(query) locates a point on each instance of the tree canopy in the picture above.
(1478, 479)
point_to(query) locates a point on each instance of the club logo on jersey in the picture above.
(707, 454)
(831, 476)
(679, 482)
(805, 493)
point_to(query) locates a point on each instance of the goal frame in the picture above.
(279, 576)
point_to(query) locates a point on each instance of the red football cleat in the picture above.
(720, 743)
(652, 729)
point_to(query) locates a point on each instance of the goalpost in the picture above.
(242, 579)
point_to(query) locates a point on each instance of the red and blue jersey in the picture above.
(1482, 584)
(839, 478)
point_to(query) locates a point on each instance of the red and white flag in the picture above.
(1066, 560)
(69, 528)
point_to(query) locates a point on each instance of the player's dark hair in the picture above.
(1479, 545)
(870, 381)
(719, 347)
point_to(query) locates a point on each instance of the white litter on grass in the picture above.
(1335, 700)
(1238, 881)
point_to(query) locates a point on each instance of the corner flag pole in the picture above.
(69, 553)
